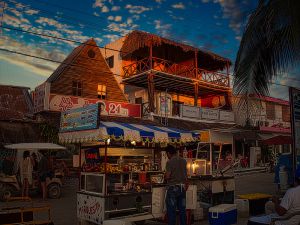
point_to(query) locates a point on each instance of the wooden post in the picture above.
(227, 72)
(151, 91)
(151, 56)
(196, 91)
(196, 64)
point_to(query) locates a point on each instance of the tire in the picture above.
(6, 192)
(54, 190)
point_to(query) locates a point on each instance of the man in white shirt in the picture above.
(289, 204)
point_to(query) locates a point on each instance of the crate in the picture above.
(224, 214)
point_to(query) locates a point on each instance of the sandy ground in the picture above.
(63, 210)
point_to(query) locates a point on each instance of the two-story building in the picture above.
(144, 75)
(270, 131)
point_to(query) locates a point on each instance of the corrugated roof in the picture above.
(15, 103)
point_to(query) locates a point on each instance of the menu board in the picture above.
(85, 118)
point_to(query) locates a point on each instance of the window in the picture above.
(101, 91)
(77, 88)
(110, 61)
(270, 108)
(286, 113)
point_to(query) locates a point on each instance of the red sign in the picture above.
(63, 102)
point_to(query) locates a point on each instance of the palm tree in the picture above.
(270, 46)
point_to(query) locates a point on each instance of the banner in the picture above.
(85, 118)
(64, 102)
(40, 97)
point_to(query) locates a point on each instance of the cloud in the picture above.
(51, 22)
(118, 18)
(41, 67)
(111, 37)
(105, 9)
(98, 3)
(110, 18)
(179, 5)
(236, 11)
(115, 8)
(162, 29)
(31, 12)
(159, 1)
(96, 14)
(135, 9)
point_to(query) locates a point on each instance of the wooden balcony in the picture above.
(157, 65)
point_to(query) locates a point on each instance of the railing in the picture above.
(166, 66)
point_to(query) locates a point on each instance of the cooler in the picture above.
(223, 214)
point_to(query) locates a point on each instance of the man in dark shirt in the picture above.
(43, 170)
(176, 177)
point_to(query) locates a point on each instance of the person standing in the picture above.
(176, 177)
(43, 171)
(26, 168)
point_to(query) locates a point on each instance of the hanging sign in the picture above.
(92, 155)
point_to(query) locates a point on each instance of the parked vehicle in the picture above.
(10, 185)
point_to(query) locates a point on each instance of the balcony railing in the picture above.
(165, 66)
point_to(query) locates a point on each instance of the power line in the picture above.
(69, 64)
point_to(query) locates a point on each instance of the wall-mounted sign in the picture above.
(211, 114)
(164, 104)
(190, 111)
(226, 116)
(92, 155)
(84, 118)
(40, 97)
(63, 102)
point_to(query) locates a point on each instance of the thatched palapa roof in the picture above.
(140, 39)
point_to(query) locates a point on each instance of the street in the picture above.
(63, 210)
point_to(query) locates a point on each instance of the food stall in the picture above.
(214, 180)
(121, 166)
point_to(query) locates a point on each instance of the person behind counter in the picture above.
(176, 177)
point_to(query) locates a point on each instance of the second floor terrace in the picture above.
(174, 66)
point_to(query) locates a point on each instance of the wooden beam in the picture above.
(196, 64)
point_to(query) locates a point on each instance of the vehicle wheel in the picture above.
(54, 190)
(6, 192)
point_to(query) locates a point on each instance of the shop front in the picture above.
(122, 166)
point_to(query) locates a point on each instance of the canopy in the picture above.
(278, 140)
(129, 132)
(33, 146)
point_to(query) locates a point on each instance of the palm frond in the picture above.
(270, 46)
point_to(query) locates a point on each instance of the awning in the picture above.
(129, 132)
(33, 146)
(278, 140)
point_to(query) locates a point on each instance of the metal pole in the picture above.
(105, 166)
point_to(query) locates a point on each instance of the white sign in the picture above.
(90, 208)
(165, 104)
(227, 116)
(211, 114)
(41, 97)
(190, 111)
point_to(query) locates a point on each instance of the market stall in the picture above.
(121, 166)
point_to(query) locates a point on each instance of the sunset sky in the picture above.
(215, 25)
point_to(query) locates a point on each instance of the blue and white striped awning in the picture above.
(129, 132)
